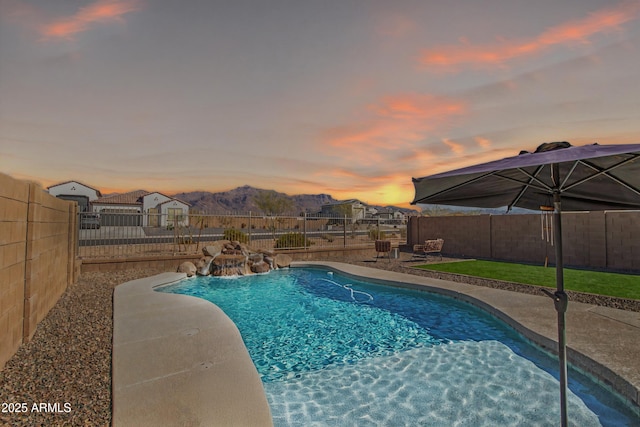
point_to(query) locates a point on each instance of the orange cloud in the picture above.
(381, 188)
(396, 122)
(100, 11)
(602, 21)
(483, 142)
(455, 147)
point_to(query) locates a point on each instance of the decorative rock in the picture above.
(269, 260)
(187, 267)
(203, 266)
(283, 260)
(230, 258)
(260, 267)
(214, 249)
(268, 252)
(229, 265)
(255, 258)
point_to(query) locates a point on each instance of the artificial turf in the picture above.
(595, 282)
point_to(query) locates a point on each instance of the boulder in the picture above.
(213, 250)
(229, 265)
(269, 260)
(260, 267)
(268, 252)
(283, 260)
(203, 266)
(187, 267)
(255, 258)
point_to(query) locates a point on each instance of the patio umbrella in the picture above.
(585, 178)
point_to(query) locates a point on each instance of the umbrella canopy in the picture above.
(591, 177)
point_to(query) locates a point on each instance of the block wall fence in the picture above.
(38, 246)
(607, 240)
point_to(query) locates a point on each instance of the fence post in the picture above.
(344, 233)
(378, 234)
(249, 227)
(304, 228)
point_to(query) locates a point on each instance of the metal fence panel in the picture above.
(121, 234)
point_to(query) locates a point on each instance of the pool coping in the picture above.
(180, 359)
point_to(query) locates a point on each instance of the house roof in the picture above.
(75, 182)
(343, 202)
(175, 200)
(130, 198)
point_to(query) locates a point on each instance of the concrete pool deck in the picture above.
(179, 360)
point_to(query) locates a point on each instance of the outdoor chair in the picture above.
(383, 247)
(430, 247)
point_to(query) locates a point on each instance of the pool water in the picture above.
(332, 350)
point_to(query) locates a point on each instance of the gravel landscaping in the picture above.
(67, 364)
(68, 361)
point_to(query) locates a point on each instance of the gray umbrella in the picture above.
(586, 178)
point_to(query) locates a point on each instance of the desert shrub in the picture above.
(233, 234)
(292, 240)
(328, 237)
(375, 234)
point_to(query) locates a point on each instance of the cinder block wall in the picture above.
(623, 239)
(468, 236)
(601, 240)
(38, 243)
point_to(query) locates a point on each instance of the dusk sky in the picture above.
(350, 98)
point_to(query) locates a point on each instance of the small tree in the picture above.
(272, 204)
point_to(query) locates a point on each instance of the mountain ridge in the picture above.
(242, 199)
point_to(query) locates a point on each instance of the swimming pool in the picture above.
(335, 351)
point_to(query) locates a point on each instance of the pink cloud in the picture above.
(395, 122)
(483, 142)
(101, 11)
(454, 146)
(577, 31)
(396, 26)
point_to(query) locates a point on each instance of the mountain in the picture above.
(242, 199)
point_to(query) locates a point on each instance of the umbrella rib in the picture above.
(524, 189)
(606, 173)
(544, 187)
(566, 178)
(455, 187)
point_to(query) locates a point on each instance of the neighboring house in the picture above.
(75, 191)
(353, 208)
(174, 212)
(120, 209)
(142, 208)
(400, 216)
(162, 210)
(384, 214)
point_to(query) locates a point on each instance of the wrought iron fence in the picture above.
(123, 234)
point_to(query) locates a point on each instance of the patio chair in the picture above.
(383, 247)
(430, 247)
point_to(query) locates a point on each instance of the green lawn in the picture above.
(612, 284)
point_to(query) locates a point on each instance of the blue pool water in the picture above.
(336, 351)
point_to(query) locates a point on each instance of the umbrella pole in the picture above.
(560, 297)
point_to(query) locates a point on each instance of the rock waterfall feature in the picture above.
(232, 258)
